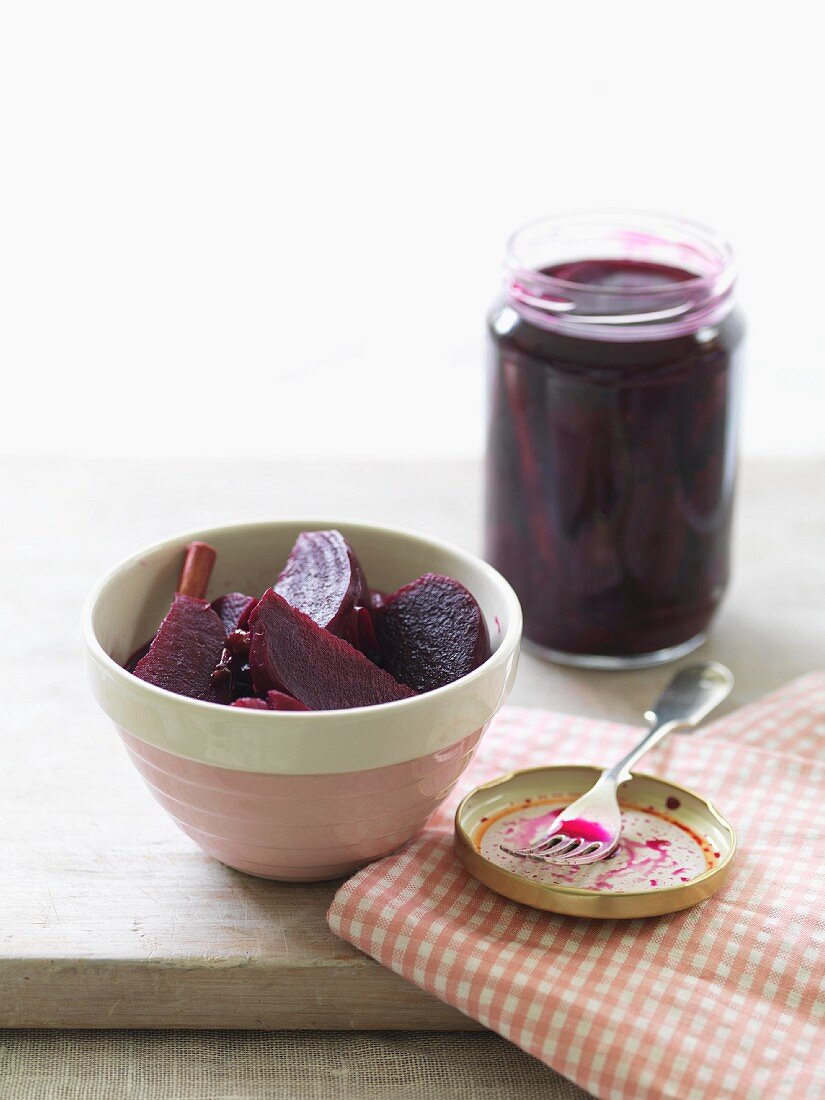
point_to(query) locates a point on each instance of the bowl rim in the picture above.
(500, 656)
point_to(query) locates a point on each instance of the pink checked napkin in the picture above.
(723, 1000)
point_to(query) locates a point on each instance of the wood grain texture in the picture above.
(109, 917)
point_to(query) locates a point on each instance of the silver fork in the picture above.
(590, 828)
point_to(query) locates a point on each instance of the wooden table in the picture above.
(109, 917)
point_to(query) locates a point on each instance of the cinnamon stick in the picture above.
(197, 569)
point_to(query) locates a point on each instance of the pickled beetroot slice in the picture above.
(279, 700)
(291, 653)
(233, 609)
(323, 579)
(185, 650)
(275, 700)
(431, 632)
(360, 632)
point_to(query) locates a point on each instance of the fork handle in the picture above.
(620, 772)
(689, 697)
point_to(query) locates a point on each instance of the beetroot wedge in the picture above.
(279, 700)
(431, 632)
(233, 609)
(292, 654)
(323, 579)
(360, 632)
(275, 700)
(185, 651)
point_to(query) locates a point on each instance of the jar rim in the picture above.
(640, 311)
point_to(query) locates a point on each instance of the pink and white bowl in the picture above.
(296, 796)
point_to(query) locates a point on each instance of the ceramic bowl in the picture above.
(295, 796)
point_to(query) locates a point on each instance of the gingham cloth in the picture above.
(723, 1000)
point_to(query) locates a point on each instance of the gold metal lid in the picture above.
(529, 790)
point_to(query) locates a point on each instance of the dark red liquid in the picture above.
(610, 472)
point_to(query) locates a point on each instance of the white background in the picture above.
(274, 229)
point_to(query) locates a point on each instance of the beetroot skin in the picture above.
(431, 632)
(291, 653)
(323, 578)
(185, 651)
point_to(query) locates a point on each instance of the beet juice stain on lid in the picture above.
(611, 450)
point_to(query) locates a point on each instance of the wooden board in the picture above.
(109, 917)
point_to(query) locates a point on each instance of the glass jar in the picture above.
(612, 434)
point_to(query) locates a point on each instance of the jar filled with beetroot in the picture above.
(614, 375)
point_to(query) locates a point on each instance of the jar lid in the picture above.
(676, 848)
